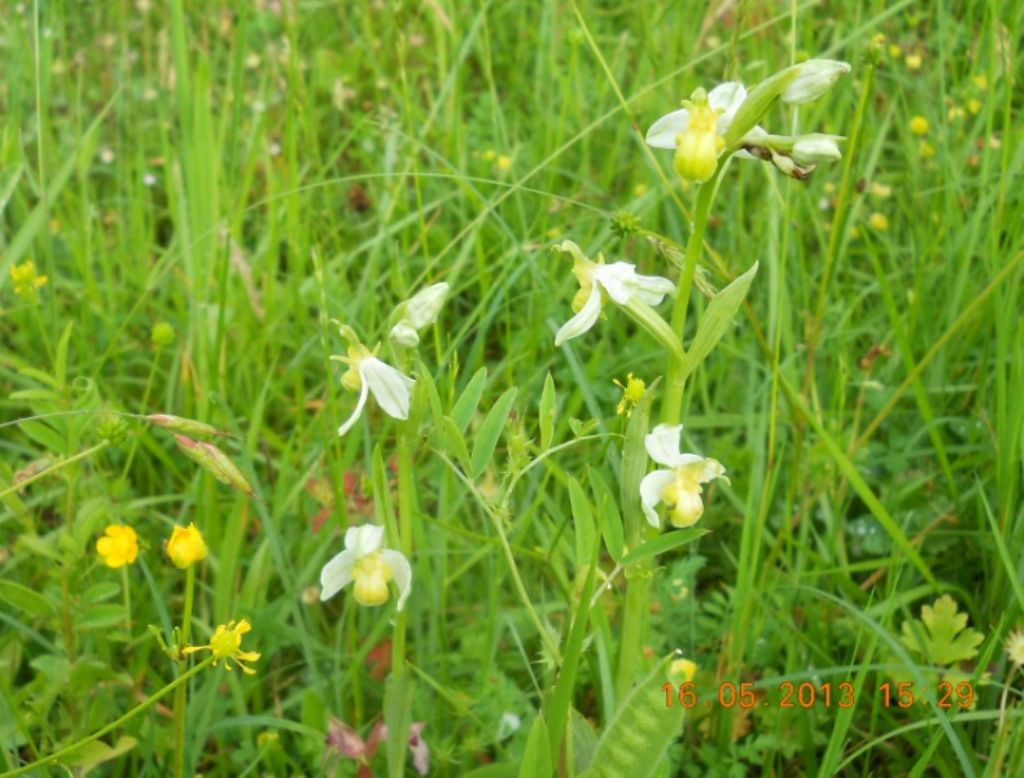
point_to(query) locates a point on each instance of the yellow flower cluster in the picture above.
(26, 279)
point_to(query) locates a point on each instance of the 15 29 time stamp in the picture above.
(788, 694)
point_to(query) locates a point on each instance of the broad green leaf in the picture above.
(100, 617)
(662, 543)
(584, 741)
(716, 320)
(426, 384)
(468, 401)
(583, 520)
(24, 599)
(640, 732)
(490, 431)
(942, 635)
(548, 409)
(608, 515)
(46, 436)
(92, 755)
(537, 756)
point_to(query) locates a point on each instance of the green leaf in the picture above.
(583, 519)
(46, 436)
(662, 543)
(60, 362)
(100, 617)
(548, 409)
(716, 320)
(634, 466)
(454, 441)
(759, 99)
(641, 731)
(942, 635)
(584, 741)
(467, 403)
(490, 431)
(608, 515)
(24, 599)
(92, 755)
(537, 757)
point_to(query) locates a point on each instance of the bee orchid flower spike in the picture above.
(367, 374)
(712, 125)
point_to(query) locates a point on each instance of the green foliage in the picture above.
(941, 636)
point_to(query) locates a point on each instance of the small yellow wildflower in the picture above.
(118, 547)
(926, 150)
(913, 61)
(26, 280)
(879, 221)
(632, 392)
(878, 39)
(639, 190)
(682, 670)
(956, 112)
(895, 51)
(226, 643)
(186, 546)
(1015, 646)
(974, 106)
(553, 233)
(504, 163)
(919, 125)
(880, 190)
(489, 155)
(981, 82)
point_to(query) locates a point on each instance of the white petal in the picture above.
(729, 97)
(401, 573)
(337, 574)
(404, 334)
(391, 389)
(650, 493)
(662, 444)
(662, 134)
(424, 306)
(583, 320)
(710, 469)
(347, 425)
(364, 539)
(617, 279)
(652, 289)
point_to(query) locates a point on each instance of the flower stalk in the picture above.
(181, 693)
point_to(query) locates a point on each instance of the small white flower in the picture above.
(508, 725)
(366, 374)
(419, 311)
(618, 281)
(368, 565)
(813, 80)
(679, 486)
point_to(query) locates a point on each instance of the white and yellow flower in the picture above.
(367, 374)
(369, 567)
(419, 311)
(600, 282)
(678, 486)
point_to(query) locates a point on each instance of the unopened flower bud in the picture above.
(182, 425)
(816, 147)
(215, 462)
(814, 78)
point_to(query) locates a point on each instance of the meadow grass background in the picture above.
(195, 164)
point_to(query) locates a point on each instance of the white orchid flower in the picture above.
(419, 311)
(367, 374)
(678, 486)
(599, 282)
(368, 565)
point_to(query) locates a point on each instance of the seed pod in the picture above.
(182, 425)
(215, 462)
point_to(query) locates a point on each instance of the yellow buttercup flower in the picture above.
(632, 392)
(26, 280)
(226, 643)
(913, 61)
(974, 106)
(682, 670)
(879, 221)
(919, 125)
(118, 547)
(186, 546)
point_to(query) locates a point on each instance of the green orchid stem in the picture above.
(181, 695)
(672, 405)
(638, 586)
(404, 539)
(55, 467)
(177, 683)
